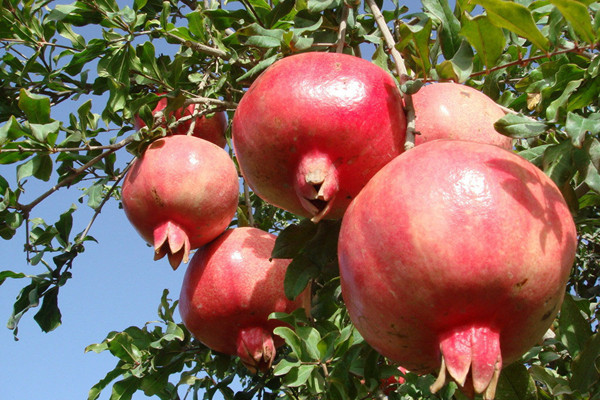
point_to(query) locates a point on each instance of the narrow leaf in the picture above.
(516, 18)
(518, 126)
(577, 15)
(487, 39)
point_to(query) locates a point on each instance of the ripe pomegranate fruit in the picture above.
(390, 384)
(230, 288)
(180, 194)
(207, 128)
(314, 128)
(453, 111)
(455, 257)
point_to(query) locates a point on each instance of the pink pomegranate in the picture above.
(181, 194)
(208, 128)
(453, 111)
(230, 288)
(314, 128)
(455, 257)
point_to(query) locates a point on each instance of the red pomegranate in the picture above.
(208, 128)
(455, 257)
(314, 128)
(230, 288)
(391, 383)
(453, 111)
(180, 194)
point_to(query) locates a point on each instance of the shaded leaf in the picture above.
(585, 370)
(577, 15)
(487, 39)
(516, 383)
(293, 239)
(574, 330)
(49, 316)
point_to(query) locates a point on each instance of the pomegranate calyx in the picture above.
(171, 240)
(316, 184)
(256, 349)
(475, 349)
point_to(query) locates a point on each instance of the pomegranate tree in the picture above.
(230, 288)
(314, 128)
(180, 194)
(453, 111)
(455, 257)
(208, 128)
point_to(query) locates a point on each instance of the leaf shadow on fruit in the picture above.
(526, 188)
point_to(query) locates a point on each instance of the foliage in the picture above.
(537, 58)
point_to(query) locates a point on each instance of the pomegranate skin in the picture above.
(207, 128)
(180, 194)
(456, 251)
(449, 110)
(314, 128)
(228, 292)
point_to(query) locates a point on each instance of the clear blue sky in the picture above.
(115, 284)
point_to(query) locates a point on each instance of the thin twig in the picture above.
(341, 39)
(400, 69)
(67, 181)
(98, 209)
(248, 204)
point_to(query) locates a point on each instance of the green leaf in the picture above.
(39, 166)
(584, 366)
(95, 391)
(557, 163)
(35, 107)
(65, 224)
(416, 37)
(284, 366)
(49, 316)
(262, 65)
(298, 275)
(281, 10)
(577, 15)
(450, 26)
(124, 389)
(577, 126)
(487, 39)
(316, 6)
(11, 130)
(515, 383)
(293, 238)
(459, 67)
(574, 330)
(518, 126)
(291, 339)
(552, 112)
(45, 133)
(263, 41)
(10, 274)
(298, 376)
(516, 18)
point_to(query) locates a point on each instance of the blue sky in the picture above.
(115, 284)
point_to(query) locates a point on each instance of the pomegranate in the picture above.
(180, 194)
(314, 128)
(207, 128)
(455, 257)
(391, 383)
(230, 288)
(453, 111)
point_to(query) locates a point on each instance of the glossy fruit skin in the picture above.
(180, 194)
(449, 110)
(452, 244)
(208, 128)
(228, 292)
(314, 128)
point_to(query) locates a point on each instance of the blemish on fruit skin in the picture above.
(157, 199)
(519, 285)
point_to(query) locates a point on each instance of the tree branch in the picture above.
(400, 69)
